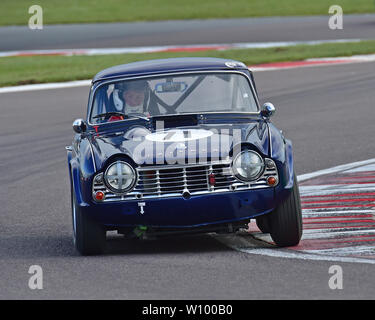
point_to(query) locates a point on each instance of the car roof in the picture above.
(166, 66)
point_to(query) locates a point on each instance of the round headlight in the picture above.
(120, 177)
(248, 165)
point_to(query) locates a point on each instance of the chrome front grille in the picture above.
(174, 181)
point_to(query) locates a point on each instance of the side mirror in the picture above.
(79, 126)
(268, 110)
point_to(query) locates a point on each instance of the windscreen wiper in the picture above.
(117, 113)
(111, 113)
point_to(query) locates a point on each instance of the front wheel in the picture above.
(285, 221)
(262, 223)
(88, 236)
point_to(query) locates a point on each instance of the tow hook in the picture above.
(140, 231)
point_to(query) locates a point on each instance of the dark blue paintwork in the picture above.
(150, 67)
(92, 150)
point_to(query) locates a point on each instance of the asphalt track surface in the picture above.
(327, 111)
(111, 35)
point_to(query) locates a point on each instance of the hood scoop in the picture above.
(174, 121)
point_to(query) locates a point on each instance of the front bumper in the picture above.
(199, 210)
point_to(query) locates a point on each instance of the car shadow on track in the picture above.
(44, 246)
(36, 246)
(117, 245)
(181, 244)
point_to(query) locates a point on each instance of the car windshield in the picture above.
(175, 94)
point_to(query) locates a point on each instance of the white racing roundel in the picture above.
(178, 135)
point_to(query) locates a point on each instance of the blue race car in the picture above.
(179, 145)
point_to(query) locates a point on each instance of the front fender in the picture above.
(74, 176)
(81, 170)
(289, 163)
(282, 153)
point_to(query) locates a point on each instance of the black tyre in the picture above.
(286, 221)
(262, 223)
(88, 237)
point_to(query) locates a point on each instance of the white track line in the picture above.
(315, 234)
(346, 251)
(313, 213)
(363, 57)
(68, 84)
(46, 86)
(241, 243)
(339, 168)
(370, 167)
(324, 190)
(329, 233)
(150, 49)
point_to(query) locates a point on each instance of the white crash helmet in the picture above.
(120, 87)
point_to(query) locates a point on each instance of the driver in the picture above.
(130, 97)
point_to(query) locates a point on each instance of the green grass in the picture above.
(25, 70)
(15, 12)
